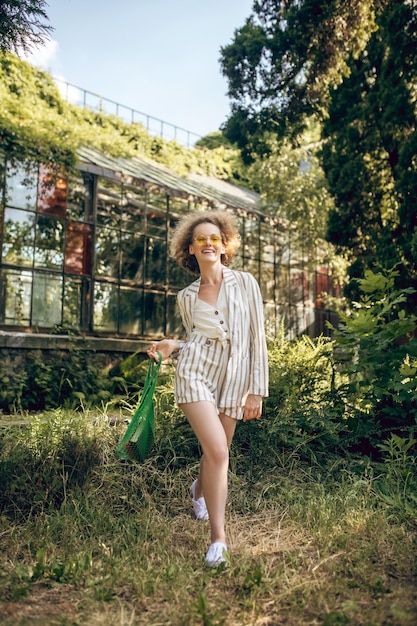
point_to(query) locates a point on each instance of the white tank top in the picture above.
(212, 321)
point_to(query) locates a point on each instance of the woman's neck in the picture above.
(211, 275)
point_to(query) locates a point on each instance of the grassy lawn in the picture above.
(116, 544)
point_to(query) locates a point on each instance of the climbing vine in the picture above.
(36, 123)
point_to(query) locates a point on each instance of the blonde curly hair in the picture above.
(183, 237)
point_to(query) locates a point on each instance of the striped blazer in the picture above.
(248, 365)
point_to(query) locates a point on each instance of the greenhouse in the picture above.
(88, 254)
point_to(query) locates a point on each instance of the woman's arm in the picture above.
(166, 347)
(259, 352)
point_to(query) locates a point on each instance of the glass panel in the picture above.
(267, 242)
(78, 248)
(154, 307)
(299, 285)
(21, 187)
(52, 193)
(177, 276)
(240, 223)
(270, 320)
(309, 320)
(309, 293)
(251, 239)
(73, 298)
(298, 322)
(285, 248)
(130, 318)
(49, 243)
(17, 290)
(267, 281)
(132, 256)
(283, 311)
(174, 323)
(19, 237)
(322, 285)
(109, 196)
(237, 263)
(47, 300)
(280, 245)
(283, 284)
(178, 205)
(106, 306)
(156, 224)
(292, 328)
(156, 254)
(107, 252)
(252, 266)
(80, 197)
(320, 326)
(157, 199)
(133, 209)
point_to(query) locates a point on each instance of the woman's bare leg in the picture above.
(214, 434)
(229, 425)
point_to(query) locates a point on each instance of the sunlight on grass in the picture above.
(87, 539)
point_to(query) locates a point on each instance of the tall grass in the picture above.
(86, 539)
(317, 535)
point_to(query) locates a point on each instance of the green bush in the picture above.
(305, 410)
(377, 349)
(35, 380)
(55, 452)
(396, 481)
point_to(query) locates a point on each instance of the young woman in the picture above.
(222, 370)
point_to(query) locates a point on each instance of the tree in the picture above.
(370, 143)
(285, 58)
(351, 66)
(293, 188)
(23, 25)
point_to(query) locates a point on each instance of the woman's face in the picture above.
(207, 244)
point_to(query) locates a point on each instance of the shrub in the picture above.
(35, 380)
(54, 452)
(377, 349)
(305, 410)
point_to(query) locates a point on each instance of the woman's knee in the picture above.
(217, 454)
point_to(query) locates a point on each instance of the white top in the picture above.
(212, 321)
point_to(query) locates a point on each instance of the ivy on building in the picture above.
(37, 124)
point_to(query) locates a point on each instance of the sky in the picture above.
(160, 57)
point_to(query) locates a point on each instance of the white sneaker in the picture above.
(216, 554)
(199, 506)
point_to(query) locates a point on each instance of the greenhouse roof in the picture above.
(216, 191)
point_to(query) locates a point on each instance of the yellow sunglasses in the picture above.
(202, 239)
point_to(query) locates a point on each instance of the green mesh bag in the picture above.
(140, 433)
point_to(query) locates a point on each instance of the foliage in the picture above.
(328, 535)
(56, 451)
(282, 62)
(37, 124)
(293, 188)
(304, 411)
(377, 349)
(396, 482)
(369, 151)
(36, 380)
(92, 539)
(23, 25)
(293, 62)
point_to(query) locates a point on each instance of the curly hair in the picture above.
(183, 237)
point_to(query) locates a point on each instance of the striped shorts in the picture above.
(201, 374)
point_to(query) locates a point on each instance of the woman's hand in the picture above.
(253, 408)
(165, 347)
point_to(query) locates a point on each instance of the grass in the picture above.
(85, 539)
